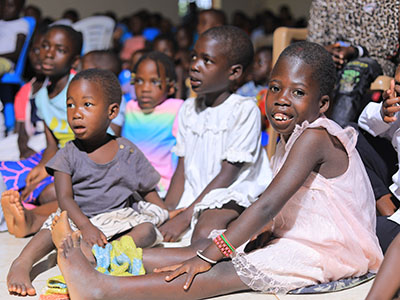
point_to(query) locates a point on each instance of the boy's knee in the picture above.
(146, 235)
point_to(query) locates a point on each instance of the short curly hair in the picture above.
(235, 42)
(324, 71)
(106, 80)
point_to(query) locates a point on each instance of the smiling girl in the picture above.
(320, 232)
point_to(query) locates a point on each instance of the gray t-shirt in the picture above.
(100, 188)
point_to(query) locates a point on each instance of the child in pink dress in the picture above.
(320, 202)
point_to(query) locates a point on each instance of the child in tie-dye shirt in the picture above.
(150, 120)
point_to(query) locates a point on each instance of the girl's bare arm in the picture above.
(176, 186)
(387, 281)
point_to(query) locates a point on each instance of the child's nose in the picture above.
(77, 113)
(50, 52)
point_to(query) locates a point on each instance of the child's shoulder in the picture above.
(324, 130)
(124, 142)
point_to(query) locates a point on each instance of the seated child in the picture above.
(166, 44)
(222, 167)
(125, 77)
(149, 120)
(382, 119)
(27, 181)
(27, 122)
(314, 201)
(97, 177)
(259, 73)
(13, 32)
(106, 60)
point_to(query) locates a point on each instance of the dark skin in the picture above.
(341, 55)
(23, 138)
(89, 117)
(387, 281)
(297, 93)
(389, 108)
(57, 58)
(211, 78)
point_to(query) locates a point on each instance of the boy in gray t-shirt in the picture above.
(96, 176)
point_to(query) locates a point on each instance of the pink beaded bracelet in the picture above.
(224, 246)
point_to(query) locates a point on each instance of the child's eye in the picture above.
(207, 60)
(156, 82)
(62, 51)
(298, 93)
(137, 81)
(274, 89)
(88, 104)
(70, 105)
(193, 56)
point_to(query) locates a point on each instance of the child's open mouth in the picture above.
(280, 117)
(79, 129)
(194, 82)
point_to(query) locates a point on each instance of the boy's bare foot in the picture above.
(60, 228)
(18, 279)
(14, 214)
(77, 271)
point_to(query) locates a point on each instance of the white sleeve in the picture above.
(245, 134)
(179, 148)
(371, 121)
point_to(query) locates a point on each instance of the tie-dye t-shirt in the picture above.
(154, 134)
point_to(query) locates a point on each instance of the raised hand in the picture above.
(390, 105)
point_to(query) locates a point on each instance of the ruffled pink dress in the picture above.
(325, 232)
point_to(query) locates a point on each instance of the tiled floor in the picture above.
(10, 247)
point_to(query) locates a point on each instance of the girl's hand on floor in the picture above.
(192, 267)
(92, 235)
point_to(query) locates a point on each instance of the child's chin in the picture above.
(147, 110)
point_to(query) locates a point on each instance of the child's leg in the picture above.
(162, 257)
(60, 228)
(18, 278)
(218, 218)
(22, 222)
(387, 281)
(86, 283)
(144, 235)
(48, 194)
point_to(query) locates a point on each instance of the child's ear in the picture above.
(76, 63)
(324, 103)
(171, 88)
(235, 72)
(113, 110)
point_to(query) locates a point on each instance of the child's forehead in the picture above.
(87, 86)
(150, 65)
(53, 33)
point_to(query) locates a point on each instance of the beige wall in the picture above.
(168, 8)
(54, 8)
